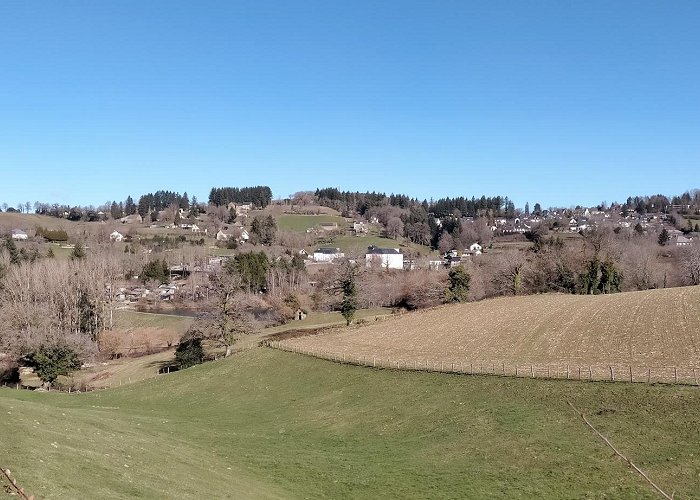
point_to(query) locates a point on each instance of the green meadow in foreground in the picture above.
(270, 424)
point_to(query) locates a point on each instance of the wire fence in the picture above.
(558, 371)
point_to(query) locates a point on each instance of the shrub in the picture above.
(189, 353)
(52, 234)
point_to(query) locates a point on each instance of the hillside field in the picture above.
(300, 223)
(269, 424)
(655, 329)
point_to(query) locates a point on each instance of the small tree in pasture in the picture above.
(190, 352)
(346, 284)
(51, 361)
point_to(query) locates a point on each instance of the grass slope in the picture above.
(300, 223)
(269, 424)
(652, 328)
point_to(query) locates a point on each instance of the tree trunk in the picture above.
(228, 351)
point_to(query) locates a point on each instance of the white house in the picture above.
(18, 234)
(475, 248)
(388, 258)
(116, 236)
(327, 254)
(195, 228)
(221, 236)
(359, 227)
(132, 219)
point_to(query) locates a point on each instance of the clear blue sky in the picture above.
(561, 102)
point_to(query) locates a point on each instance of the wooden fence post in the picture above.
(630, 373)
(532, 371)
(648, 375)
(695, 377)
(675, 375)
(612, 373)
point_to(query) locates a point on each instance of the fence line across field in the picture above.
(559, 371)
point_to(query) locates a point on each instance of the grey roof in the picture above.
(381, 251)
(328, 250)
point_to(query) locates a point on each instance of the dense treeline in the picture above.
(160, 200)
(361, 203)
(259, 196)
(685, 203)
(474, 207)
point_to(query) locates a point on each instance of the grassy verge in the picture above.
(269, 424)
(322, 320)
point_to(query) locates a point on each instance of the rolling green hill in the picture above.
(269, 424)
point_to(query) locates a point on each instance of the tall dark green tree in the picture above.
(252, 268)
(458, 287)
(156, 270)
(346, 286)
(663, 237)
(130, 206)
(264, 229)
(610, 278)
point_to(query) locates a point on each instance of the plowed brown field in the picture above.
(656, 328)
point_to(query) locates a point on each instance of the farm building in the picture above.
(389, 258)
(328, 254)
(681, 241)
(18, 234)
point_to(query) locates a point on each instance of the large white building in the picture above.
(328, 254)
(387, 258)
